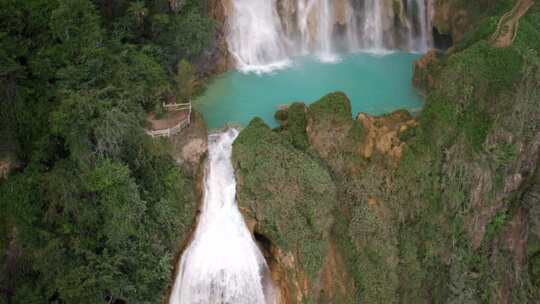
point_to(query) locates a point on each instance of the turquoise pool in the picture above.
(375, 84)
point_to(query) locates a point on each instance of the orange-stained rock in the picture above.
(382, 134)
(422, 76)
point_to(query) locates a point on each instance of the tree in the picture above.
(185, 81)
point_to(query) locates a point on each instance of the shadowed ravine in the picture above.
(222, 264)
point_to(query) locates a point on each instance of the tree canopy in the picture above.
(97, 210)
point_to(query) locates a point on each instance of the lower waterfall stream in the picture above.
(222, 264)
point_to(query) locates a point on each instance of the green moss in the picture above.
(480, 70)
(335, 106)
(297, 125)
(529, 30)
(475, 125)
(288, 192)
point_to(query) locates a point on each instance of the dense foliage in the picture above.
(97, 210)
(450, 225)
(287, 191)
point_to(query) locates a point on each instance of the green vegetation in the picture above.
(456, 167)
(296, 127)
(98, 210)
(185, 81)
(289, 193)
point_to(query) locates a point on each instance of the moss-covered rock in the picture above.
(329, 120)
(296, 125)
(289, 194)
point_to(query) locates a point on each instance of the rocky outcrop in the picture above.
(328, 123)
(423, 78)
(382, 134)
(216, 59)
(189, 147)
(451, 18)
(289, 197)
(331, 130)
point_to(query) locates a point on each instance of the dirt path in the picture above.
(508, 25)
(170, 120)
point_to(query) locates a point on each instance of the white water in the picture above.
(419, 39)
(222, 265)
(255, 36)
(264, 35)
(373, 32)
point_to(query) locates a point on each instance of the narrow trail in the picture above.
(509, 24)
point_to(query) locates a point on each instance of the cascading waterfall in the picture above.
(373, 27)
(419, 26)
(255, 37)
(263, 35)
(222, 264)
(424, 39)
(316, 39)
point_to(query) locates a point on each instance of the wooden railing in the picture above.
(177, 106)
(178, 127)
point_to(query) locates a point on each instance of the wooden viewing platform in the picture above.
(177, 118)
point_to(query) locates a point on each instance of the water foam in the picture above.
(222, 264)
(263, 38)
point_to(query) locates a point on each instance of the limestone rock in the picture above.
(451, 17)
(382, 133)
(422, 77)
(216, 58)
(190, 146)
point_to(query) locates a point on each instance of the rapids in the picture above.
(222, 264)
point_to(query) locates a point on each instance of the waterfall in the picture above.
(373, 32)
(264, 35)
(419, 25)
(222, 264)
(255, 37)
(423, 39)
(316, 39)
